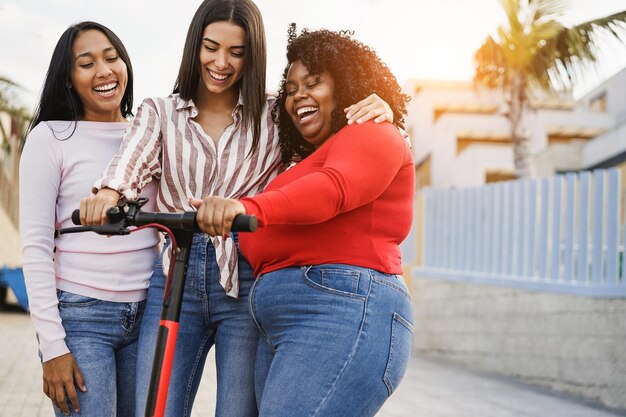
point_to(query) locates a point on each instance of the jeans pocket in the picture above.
(336, 280)
(68, 299)
(399, 352)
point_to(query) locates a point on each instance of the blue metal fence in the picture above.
(563, 233)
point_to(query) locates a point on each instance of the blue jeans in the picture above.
(102, 337)
(336, 340)
(208, 316)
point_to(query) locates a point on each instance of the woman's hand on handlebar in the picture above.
(93, 209)
(215, 214)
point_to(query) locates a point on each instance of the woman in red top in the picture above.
(334, 312)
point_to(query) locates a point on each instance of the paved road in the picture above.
(430, 388)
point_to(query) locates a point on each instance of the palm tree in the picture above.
(8, 98)
(11, 141)
(535, 51)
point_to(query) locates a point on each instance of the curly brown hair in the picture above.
(356, 70)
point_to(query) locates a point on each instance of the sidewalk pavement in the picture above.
(429, 389)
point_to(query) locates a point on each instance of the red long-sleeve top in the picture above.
(350, 202)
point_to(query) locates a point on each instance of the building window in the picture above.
(598, 103)
(499, 175)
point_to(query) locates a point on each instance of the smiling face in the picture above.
(221, 56)
(310, 102)
(99, 76)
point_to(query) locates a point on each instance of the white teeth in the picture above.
(303, 110)
(218, 76)
(106, 87)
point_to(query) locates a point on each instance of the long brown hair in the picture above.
(245, 14)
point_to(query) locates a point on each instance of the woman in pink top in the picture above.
(86, 292)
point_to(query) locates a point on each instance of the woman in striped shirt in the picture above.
(213, 136)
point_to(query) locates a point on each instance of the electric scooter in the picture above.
(127, 218)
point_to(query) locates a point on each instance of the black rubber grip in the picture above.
(76, 217)
(244, 223)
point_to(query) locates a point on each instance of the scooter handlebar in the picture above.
(182, 221)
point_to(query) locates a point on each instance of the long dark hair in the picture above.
(356, 70)
(58, 100)
(246, 15)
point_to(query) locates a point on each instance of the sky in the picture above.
(418, 39)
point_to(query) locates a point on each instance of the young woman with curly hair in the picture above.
(334, 312)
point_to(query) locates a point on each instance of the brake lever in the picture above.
(117, 225)
(110, 229)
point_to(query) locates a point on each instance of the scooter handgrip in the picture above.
(76, 217)
(244, 223)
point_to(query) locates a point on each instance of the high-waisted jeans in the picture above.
(102, 337)
(208, 317)
(336, 340)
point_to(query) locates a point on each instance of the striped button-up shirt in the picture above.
(164, 143)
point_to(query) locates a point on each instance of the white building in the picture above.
(608, 149)
(461, 135)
